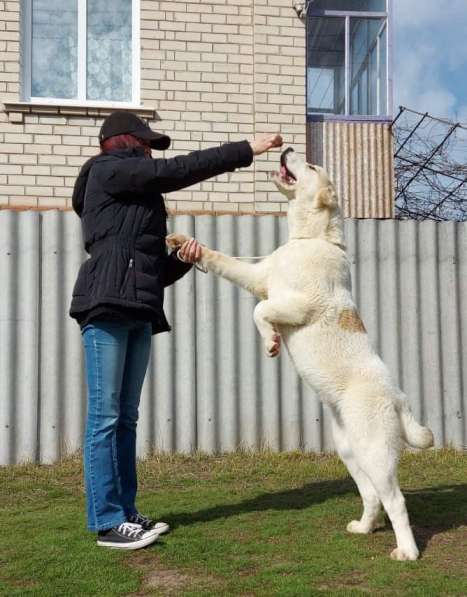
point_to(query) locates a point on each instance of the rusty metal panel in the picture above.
(209, 386)
(359, 159)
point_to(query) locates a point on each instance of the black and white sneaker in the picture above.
(126, 536)
(148, 524)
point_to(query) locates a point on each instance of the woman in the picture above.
(118, 300)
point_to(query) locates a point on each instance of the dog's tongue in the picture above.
(284, 172)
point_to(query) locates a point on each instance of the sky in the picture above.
(430, 57)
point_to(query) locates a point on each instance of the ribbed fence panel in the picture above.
(450, 339)
(19, 335)
(8, 331)
(461, 325)
(409, 317)
(207, 411)
(210, 386)
(430, 344)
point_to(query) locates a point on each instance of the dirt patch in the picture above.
(351, 580)
(166, 581)
(446, 551)
(158, 579)
(20, 584)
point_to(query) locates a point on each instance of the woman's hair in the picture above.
(126, 141)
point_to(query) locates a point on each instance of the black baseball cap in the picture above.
(127, 123)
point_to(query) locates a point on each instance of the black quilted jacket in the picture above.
(118, 196)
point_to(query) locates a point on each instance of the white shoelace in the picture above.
(129, 529)
(142, 519)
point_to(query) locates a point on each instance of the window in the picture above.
(367, 70)
(81, 51)
(326, 66)
(349, 5)
(347, 59)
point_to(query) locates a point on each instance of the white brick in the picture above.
(23, 159)
(17, 138)
(12, 148)
(35, 170)
(37, 191)
(11, 189)
(16, 117)
(52, 159)
(21, 201)
(10, 169)
(75, 140)
(47, 201)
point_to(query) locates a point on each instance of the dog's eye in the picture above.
(311, 167)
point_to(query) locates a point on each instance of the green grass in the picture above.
(244, 524)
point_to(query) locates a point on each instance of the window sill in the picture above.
(347, 118)
(77, 109)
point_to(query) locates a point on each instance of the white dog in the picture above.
(306, 301)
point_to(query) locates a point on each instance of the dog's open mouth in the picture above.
(285, 174)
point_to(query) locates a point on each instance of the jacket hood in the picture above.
(79, 190)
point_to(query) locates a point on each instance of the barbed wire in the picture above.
(430, 163)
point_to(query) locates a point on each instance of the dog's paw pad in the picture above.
(174, 241)
(273, 347)
(403, 555)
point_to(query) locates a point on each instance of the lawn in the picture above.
(243, 524)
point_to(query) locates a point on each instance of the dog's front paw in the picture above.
(355, 526)
(175, 241)
(404, 554)
(273, 346)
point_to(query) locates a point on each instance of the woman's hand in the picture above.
(262, 143)
(190, 251)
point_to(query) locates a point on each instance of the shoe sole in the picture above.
(131, 545)
(161, 529)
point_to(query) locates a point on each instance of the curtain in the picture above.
(54, 48)
(109, 45)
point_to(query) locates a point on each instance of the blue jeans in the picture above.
(117, 356)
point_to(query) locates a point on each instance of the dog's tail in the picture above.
(413, 433)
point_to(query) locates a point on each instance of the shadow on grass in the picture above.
(432, 510)
(290, 499)
(436, 510)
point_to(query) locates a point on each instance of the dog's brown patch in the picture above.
(349, 320)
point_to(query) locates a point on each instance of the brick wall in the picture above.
(214, 71)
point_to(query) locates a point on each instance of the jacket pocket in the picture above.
(128, 285)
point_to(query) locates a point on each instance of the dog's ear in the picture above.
(327, 197)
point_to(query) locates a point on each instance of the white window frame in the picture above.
(347, 15)
(376, 43)
(81, 100)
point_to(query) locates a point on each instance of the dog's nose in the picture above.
(284, 153)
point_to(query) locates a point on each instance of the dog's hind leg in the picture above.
(393, 501)
(370, 499)
(291, 309)
(376, 448)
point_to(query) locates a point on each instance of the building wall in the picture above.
(212, 70)
(210, 386)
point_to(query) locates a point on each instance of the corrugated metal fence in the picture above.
(209, 386)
